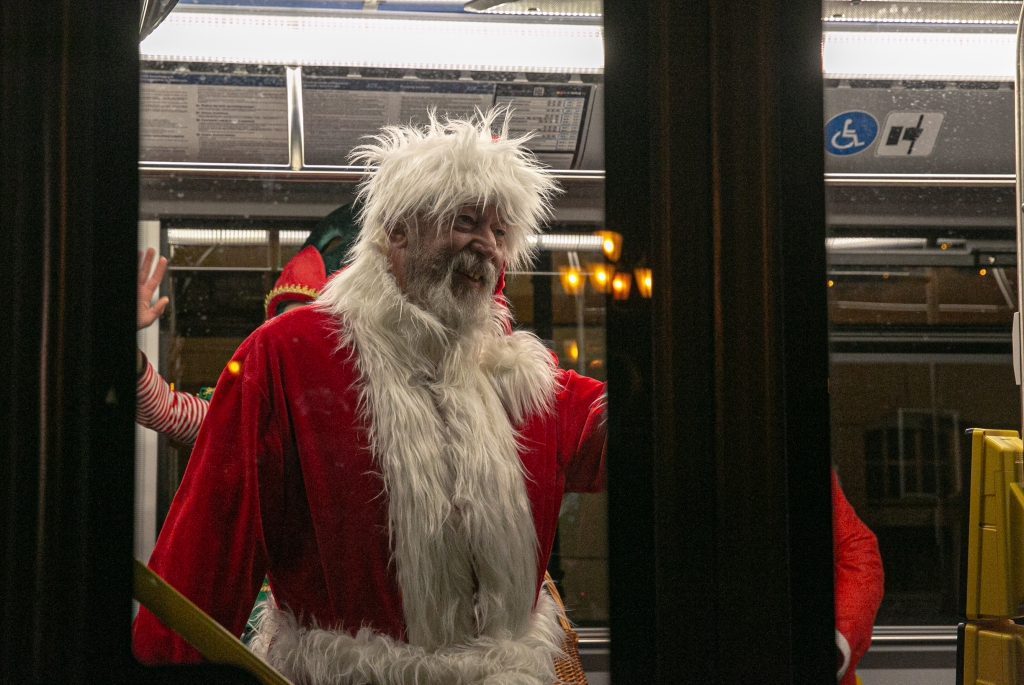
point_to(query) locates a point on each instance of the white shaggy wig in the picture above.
(434, 170)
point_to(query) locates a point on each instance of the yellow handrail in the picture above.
(186, 619)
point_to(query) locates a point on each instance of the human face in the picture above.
(478, 229)
(451, 268)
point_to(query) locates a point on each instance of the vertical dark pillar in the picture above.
(801, 221)
(68, 231)
(719, 495)
(633, 594)
(68, 208)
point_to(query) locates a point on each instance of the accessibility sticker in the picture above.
(909, 133)
(850, 132)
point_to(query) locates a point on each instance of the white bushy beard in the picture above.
(430, 283)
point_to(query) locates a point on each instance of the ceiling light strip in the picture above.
(922, 55)
(988, 12)
(358, 41)
(216, 236)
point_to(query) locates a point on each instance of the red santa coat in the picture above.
(858, 582)
(286, 480)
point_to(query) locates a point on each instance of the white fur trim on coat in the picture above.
(436, 169)
(521, 371)
(443, 409)
(315, 656)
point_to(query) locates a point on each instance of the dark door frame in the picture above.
(719, 493)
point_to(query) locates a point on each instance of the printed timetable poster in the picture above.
(213, 118)
(556, 115)
(338, 112)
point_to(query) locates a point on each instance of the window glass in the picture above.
(922, 281)
(242, 157)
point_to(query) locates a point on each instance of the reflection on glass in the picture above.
(898, 443)
(922, 273)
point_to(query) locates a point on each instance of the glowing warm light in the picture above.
(643, 281)
(279, 37)
(983, 272)
(600, 277)
(831, 283)
(924, 55)
(573, 350)
(620, 286)
(571, 279)
(885, 275)
(611, 244)
(234, 367)
(944, 246)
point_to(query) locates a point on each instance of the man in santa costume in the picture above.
(393, 457)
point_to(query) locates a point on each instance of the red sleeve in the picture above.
(211, 546)
(582, 431)
(858, 578)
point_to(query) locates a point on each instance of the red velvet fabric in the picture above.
(858, 578)
(281, 482)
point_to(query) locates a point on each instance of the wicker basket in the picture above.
(568, 669)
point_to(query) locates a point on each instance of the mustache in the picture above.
(473, 265)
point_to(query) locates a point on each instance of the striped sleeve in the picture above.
(177, 415)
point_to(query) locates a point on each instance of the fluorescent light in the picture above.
(923, 55)
(360, 41)
(558, 242)
(876, 243)
(289, 237)
(216, 236)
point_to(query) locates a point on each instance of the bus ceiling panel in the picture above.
(980, 212)
(166, 193)
(892, 118)
(225, 116)
(896, 128)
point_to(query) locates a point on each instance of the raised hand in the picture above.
(149, 311)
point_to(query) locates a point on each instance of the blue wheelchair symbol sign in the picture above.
(850, 132)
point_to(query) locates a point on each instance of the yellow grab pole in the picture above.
(212, 640)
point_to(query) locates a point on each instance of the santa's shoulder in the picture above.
(305, 321)
(306, 333)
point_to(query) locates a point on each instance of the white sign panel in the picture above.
(909, 134)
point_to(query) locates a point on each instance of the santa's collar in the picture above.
(366, 296)
(367, 291)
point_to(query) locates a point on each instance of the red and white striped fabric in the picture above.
(177, 415)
